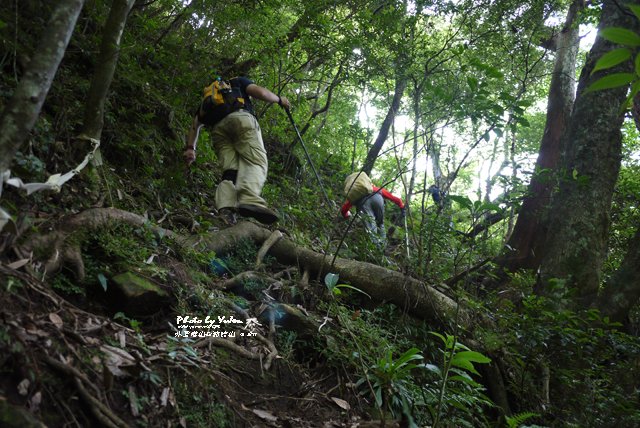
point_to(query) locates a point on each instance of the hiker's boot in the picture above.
(228, 215)
(262, 214)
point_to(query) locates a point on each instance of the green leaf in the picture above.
(433, 368)
(462, 200)
(611, 81)
(472, 82)
(574, 174)
(498, 132)
(489, 206)
(378, 396)
(466, 379)
(635, 9)
(103, 281)
(330, 280)
(637, 64)
(635, 88)
(351, 287)
(621, 36)
(611, 59)
(464, 364)
(474, 356)
(411, 354)
(444, 340)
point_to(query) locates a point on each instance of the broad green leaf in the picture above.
(611, 81)
(378, 395)
(462, 346)
(498, 132)
(433, 368)
(438, 334)
(488, 206)
(464, 364)
(637, 64)
(621, 36)
(330, 280)
(411, 354)
(611, 59)
(635, 9)
(474, 356)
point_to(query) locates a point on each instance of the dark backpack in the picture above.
(218, 100)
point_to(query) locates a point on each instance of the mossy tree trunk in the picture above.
(527, 239)
(22, 110)
(580, 209)
(622, 290)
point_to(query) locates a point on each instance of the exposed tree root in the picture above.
(65, 251)
(275, 236)
(101, 412)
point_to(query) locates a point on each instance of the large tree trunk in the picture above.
(577, 237)
(622, 290)
(528, 237)
(401, 84)
(21, 113)
(105, 68)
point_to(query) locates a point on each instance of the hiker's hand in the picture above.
(284, 103)
(189, 156)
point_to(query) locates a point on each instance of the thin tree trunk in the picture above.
(528, 237)
(577, 237)
(105, 68)
(514, 173)
(401, 84)
(22, 110)
(416, 127)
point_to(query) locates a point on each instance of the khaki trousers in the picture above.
(237, 140)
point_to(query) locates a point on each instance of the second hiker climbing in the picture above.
(237, 139)
(369, 200)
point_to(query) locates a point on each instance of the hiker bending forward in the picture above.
(369, 200)
(237, 141)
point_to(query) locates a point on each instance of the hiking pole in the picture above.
(308, 157)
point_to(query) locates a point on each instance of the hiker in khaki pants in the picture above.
(237, 140)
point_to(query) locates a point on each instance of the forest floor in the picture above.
(69, 360)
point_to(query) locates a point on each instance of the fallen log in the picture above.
(409, 294)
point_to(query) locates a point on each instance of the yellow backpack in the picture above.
(357, 185)
(218, 100)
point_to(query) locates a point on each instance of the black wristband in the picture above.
(279, 101)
